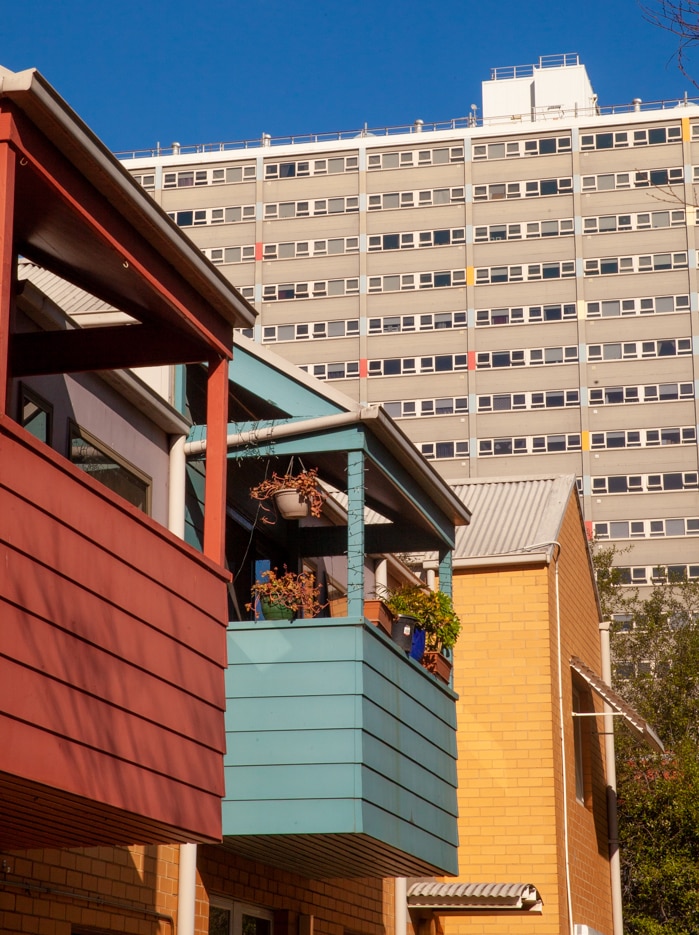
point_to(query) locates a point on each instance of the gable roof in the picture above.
(517, 519)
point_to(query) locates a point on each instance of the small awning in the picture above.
(466, 897)
(640, 727)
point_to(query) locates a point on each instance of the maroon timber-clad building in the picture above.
(112, 629)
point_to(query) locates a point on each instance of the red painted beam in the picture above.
(110, 348)
(216, 461)
(115, 236)
(7, 261)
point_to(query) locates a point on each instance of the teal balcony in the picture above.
(341, 752)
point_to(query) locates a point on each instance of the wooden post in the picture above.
(7, 264)
(216, 460)
(355, 533)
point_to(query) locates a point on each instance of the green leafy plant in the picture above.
(434, 610)
(304, 482)
(297, 592)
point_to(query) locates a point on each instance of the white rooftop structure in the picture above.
(555, 87)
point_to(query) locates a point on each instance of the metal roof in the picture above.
(83, 308)
(461, 897)
(518, 518)
(640, 727)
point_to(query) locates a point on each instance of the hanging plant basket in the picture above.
(301, 495)
(290, 503)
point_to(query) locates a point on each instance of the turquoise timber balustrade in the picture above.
(341, 752)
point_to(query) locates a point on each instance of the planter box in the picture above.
(375, 612)
(438, 665)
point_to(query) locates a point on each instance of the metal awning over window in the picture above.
(466, 897)
(638, 725)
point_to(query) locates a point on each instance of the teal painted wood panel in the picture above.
(331, 729)
(298, 782)
(286, 817)
(258, 748)
(259, 714)
(412, 839)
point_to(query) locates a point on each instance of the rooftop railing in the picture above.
(562, 60)
(419, 126)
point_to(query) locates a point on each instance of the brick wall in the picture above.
(509, 769)
(51, 892)
(134, 891)
(359, 905)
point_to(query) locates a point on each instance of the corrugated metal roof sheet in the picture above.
(464, 896)
(640, 727)
(511, 516)
(79, 305)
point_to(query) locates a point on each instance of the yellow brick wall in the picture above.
(360, 905)
(133, 890)
(509, 767)
(51, 892)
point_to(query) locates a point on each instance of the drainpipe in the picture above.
(186, 889)
(401, 905)
(381, 578)
(176, 486)
(566, 837)
(187, 870)
(610, 761)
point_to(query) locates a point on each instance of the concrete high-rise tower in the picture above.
(518, 287)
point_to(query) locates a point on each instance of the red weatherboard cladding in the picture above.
(114, 655)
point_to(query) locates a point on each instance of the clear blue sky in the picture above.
(147, 72)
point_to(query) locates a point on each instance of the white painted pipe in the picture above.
(610, 762)
(186, 889)
(187, 870)
(280, 430)
(401, 905)
(176, 486)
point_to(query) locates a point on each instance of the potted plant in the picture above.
(294, 494)
(435, 616)
(285, 596)
(375, 610)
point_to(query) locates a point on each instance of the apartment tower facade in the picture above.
(518, 288)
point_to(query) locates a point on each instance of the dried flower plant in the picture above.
(305, 483)
(298, 592)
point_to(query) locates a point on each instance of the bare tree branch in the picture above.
(679, 17)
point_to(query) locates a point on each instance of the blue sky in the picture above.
(148, 72)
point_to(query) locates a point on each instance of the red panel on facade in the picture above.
(113, 641)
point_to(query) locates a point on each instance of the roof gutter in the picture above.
(382, 425)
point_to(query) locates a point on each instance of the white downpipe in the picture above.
(401, 905)
(187, 870)
(566, 837)
(186, 889)
(381, 578)
(176, 486)
(610, 761)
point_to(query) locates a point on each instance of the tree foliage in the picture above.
(655, 653)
